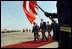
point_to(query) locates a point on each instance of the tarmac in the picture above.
(18, 37)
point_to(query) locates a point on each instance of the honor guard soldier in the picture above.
(64, 19)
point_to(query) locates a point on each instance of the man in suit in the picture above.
(43, 28)
(35, 31)
(55, 27)
(49, 29)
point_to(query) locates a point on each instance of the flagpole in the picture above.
(47, 13)
(41, 9)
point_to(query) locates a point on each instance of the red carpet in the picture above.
(29, 44)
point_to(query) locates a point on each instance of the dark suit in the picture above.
(35, 31)
(55, 27)
(49, 30)
(43, 30)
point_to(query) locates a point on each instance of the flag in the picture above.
(29, 10)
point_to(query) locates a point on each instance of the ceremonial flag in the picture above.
(29, 10)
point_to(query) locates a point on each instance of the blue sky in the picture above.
(13, 16)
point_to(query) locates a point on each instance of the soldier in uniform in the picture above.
(64, 19)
